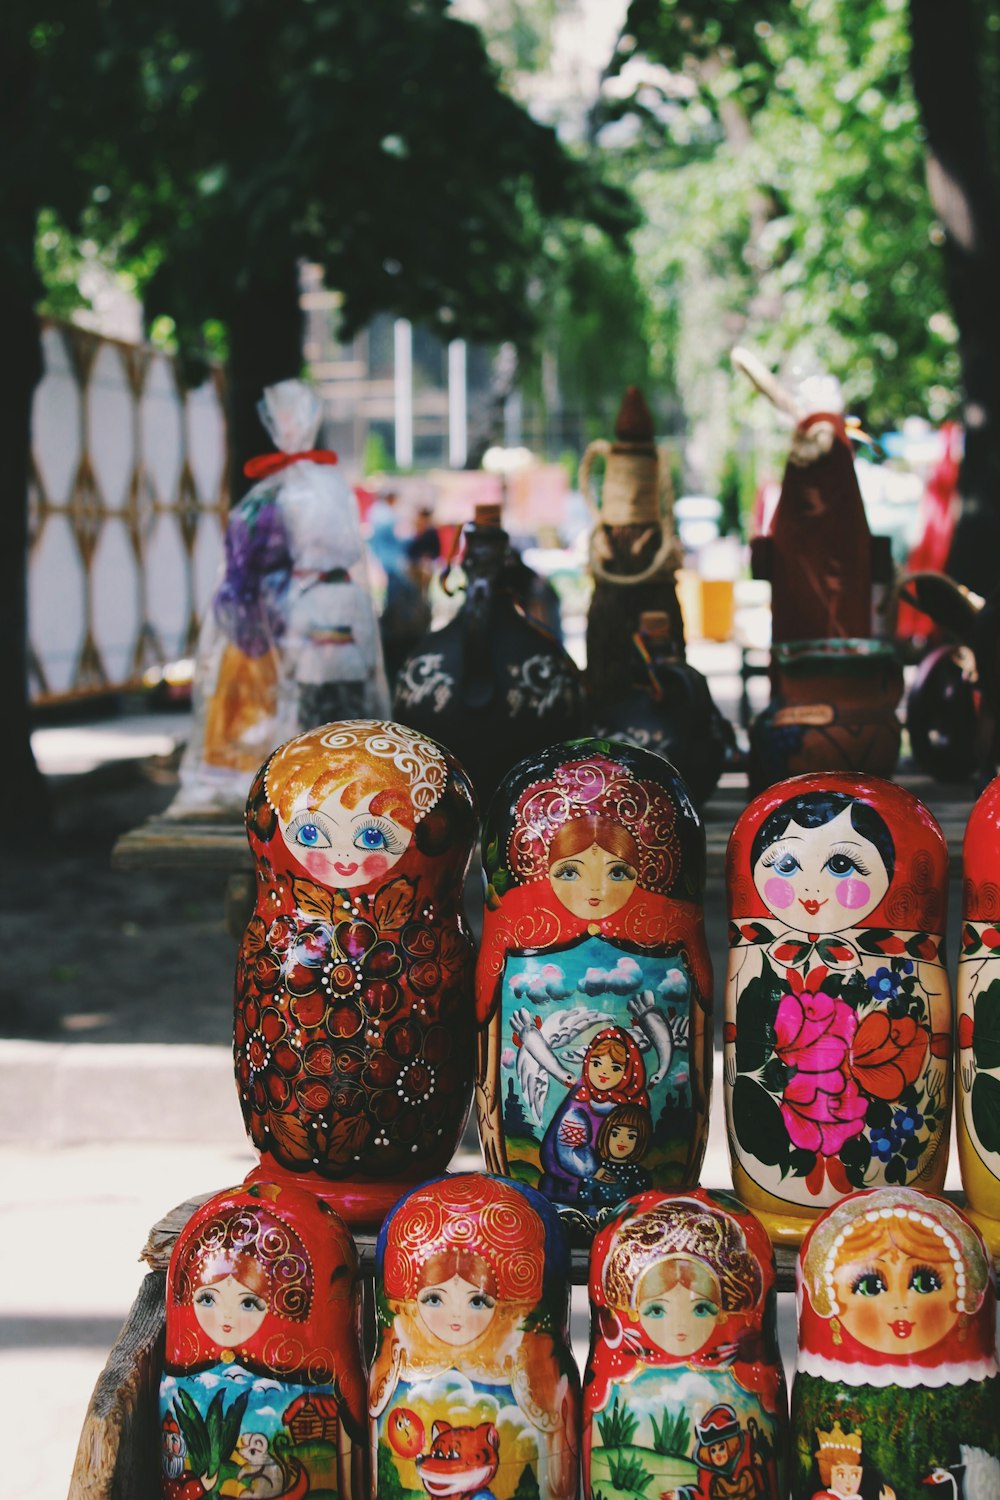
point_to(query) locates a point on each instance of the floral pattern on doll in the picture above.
(839, 1070)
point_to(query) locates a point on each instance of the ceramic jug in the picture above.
(833, 709)
(263, 1386)
(354, 1026)
(666, 705)
(977, 1083)
(896, 1391)
(492, 684)
(684, 1392)
(837, 1035)
(473, 1388)
(593, 981)
(634, 552)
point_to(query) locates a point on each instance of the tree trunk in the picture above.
(28, 810)
(947, 77)
(265, 346)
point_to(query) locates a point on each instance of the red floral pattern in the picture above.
(887, 1054)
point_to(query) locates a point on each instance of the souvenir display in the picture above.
(593, 981)
(474, 1393)
(354, 1027)
(263, 1386)
(977, 1082)
(897, 1392)
(492, 684)
(291, 639)
(665, 705)
(833, 709)
(684, 1393)
(837, 1035)
(634, 552)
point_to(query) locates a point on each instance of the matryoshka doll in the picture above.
(354, 1025)
(838, 1009)
(684, 1393)
(474, 1391)
(263, 1386)
(977, 1085)
(897, 1391)
(593, 982)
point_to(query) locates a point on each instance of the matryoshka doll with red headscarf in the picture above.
(263, 1386)
(897, 1390)
(354, 1026)
(977, 1084)
(593, 983)
(838, 1009)
(684, 1381)
(474, 1391)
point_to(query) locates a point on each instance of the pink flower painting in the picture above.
(822, 1105)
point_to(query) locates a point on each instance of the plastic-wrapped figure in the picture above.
(684, 1393)
(354, 1024)
(473, 1390)
(263, 1388)
(977, 1083)
(897, 1386)
(593, 982)
(291, 640)
(838, 1008)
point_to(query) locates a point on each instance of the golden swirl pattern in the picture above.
(683, 1227)
(418, 763)
(470, 1215)
(223, 1245)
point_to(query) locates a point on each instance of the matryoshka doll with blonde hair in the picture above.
(897, 1390)
(977, 1084)
(838, 1008)
(263, 1385)
(354, 1024)
(473, 1388)
(684, 1393)
(593, 982)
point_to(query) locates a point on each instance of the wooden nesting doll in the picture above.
(838, 1009)
(474, 1391)
(896, 1393)
(684, 1393)
(977, 1083)
(354, 1027)
(263, 1387)
(593, 982)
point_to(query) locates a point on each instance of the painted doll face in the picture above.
(821, 879)
(896, 1303)
(681, 1320)
(718, 1455)
(604, 1071)
(622, 1140)
(593, 883)
(229, 1312)
(455, 1311)
(845, 1478)
(345, 847)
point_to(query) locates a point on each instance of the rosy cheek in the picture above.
(316, 862)
(853, 893)
(778, 892)
(374, 866)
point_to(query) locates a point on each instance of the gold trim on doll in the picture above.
(681, 1231)
(409, 763)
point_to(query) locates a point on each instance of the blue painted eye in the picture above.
(309, 835)
(787, 865)
(309, 832)
(369, 838)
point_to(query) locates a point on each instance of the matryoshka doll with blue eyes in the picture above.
(593, 982)
(474, 1391)
(838, 1009)
(263, 1386)
(897, 1391)
(354, 1015)
(684, 1393)
(977, 1085)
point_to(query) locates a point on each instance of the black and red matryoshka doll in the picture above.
(977, 1084)
(354, 1025)
(684, 1386)
(263, 1386)
(593, 982)
(897, 1391)
(474, 1393)
(838, 1008)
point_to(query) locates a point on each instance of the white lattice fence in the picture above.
(127, 510)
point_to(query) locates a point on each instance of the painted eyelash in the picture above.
(926, 1271)
(868, 1271)
(393, 843)
(776, 852)
(850, 853)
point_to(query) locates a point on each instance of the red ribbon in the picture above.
(273, 463)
